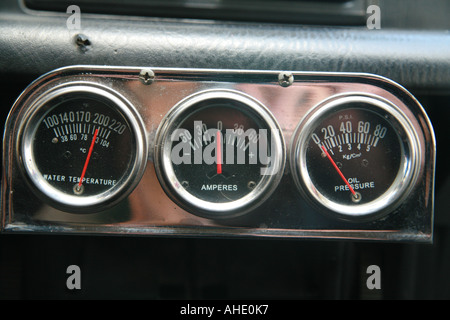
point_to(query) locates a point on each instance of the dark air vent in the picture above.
(319, 12)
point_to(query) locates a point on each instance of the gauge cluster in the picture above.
(218, 153)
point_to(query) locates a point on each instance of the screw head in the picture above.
(147, 76)
(285, 79)
(83, 42)
(185, 184)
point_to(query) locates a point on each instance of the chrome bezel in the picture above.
(51, 194)
(408, 169)
(179, 194)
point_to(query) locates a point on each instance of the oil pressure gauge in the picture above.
(83, 147)
(355, 156)
(219, 153)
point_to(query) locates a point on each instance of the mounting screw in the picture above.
(147, 76)
(82, 42)
(285, 79)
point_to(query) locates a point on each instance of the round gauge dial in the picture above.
(83, 147)
(355, 156)
(219, 153)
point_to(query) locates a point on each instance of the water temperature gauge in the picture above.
(83, 147)
(355, 155)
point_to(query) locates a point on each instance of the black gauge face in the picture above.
(221, 134)
(63, 140)
(354, 156)
(80, 149)
(365, 148)
(221, 154)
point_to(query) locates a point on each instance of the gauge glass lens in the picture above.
(354, 156)
(63, 141)
(218, 130)
(81, 148)
(364, 147)
(222, 154)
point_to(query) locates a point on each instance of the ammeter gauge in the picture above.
(83, 147)
(219, 153)
(355, 156)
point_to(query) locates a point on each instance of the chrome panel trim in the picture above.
(286, 214)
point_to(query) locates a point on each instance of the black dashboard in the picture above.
(149, 86)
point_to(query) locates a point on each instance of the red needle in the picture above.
(219, 152)
(339, 171)
(88, 158)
